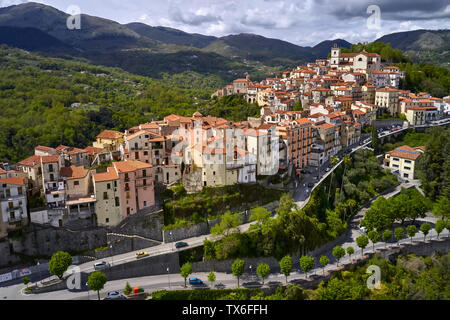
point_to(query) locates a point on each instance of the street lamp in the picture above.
(251, 272)
(112, 255)
(40, 275)
(168, 277)
(88, 290)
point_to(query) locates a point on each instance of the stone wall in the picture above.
(145, 225)
(123, 244)
(226, 265)
(387, 123)
(6, 258)
(140, 268)
(45, 241)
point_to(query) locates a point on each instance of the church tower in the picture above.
(335, 56)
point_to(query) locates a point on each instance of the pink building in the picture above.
(136, 186)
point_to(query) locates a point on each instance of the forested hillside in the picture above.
(36, 95)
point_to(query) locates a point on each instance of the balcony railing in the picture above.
(14, 219)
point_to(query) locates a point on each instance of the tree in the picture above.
(263, 271)
(26, 281)
(260, 215)
(185, 271)
(338, 253)
(374, 236)
(399, 234)
(238, 269)
(362, 242)
(307, 264)
(387, 234)
(128, 290)
(96, 282)
(228, 223)
(212, 277)
(351, 203)
(286, 266)
(425, 228)
(411, 230)
(439, 227)
(324, 261)
(347, 159)
(209, 250)
(59, 263)
(375, 139)
(350, 252)
(442, 208)
(334, 161)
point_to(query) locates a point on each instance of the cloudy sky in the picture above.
(303, 22)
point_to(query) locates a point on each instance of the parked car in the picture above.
(101, 265)
(363, 229)
(195, 281)
(179, 245)
(327, 169)
(310, 185)
(115, 295)
(141, 254)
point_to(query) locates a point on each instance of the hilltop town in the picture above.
(308, 115)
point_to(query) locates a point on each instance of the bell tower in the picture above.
(335, 56)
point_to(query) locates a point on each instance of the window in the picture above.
(128, 195)
(20, 190)
(144, 173)
(76, 183)
(115, 184)
(107, 220)
(105, 195)
(108, 186)
(50, 168)
(117, 201)
(407, 161)
(145, 203)
(407, 168)
(145, 182)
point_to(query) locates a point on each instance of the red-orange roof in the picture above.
(130, 166)
(16, 181)
(110, 175)
(110, 134)
(50, 159)
(73, 172)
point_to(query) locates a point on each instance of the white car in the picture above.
(101, 265)
(363, 229)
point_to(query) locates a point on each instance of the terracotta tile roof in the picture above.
(31, 161)
(110, 134)
(110, 175)
(93, 151)
(130, 166)
(43, 148)
(76, 151)
(325, 126)
(73, 172)
(16, 181)
(50, 159)
(61, 148)
(303, 121)
(405, 152)
(136, 134)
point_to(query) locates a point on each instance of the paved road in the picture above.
(223, 280)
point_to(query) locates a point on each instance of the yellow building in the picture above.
(402, 160)
(109, 141)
